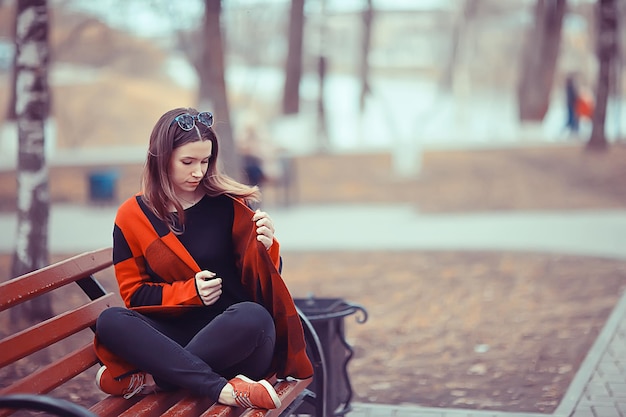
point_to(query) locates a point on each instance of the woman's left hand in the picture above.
(265, 228)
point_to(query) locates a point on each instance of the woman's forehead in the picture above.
(197, 149)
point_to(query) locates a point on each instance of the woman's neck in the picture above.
(189, 200)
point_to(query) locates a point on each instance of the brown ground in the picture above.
(431, 313)
(478, 330)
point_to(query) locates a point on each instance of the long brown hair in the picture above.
(158, 192)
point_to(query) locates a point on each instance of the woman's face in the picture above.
(188, 165)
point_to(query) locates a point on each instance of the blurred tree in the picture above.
(11, 107)
(293, 64)
(368, 14)
(459, 31)
(213, 95)
(32, 106)
(539, 57)
(322, 126)
(608, 53)
(322, 71)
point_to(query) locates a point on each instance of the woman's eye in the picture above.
(186, 162)
(205, 161)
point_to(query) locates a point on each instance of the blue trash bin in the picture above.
(102, 186)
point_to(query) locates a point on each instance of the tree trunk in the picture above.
(607, 55)
(459, 33)
(368, 15)
(213, 95)
(322, 126)
(11, 107)
(539, 59)
(32, 109)
(293, 65)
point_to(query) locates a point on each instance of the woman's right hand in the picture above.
(209, 287)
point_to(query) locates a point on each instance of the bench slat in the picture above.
(189, 406)
(287, 392)
(51, 376)
(113, 406)
(220, 410)
(192, 406)
(52, 330)
(153, 405)
(33, 284)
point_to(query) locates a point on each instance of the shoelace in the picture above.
(135, 386)
(242, 398)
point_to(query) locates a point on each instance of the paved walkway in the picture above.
(599, 387)
(370, 226)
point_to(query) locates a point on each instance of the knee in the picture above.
(108, 322)
(254, 315)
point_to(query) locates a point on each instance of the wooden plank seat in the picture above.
(34, 390)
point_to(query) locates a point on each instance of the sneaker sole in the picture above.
(99, 376)
(268, 387)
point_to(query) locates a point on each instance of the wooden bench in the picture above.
(33, 391)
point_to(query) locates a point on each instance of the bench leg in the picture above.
(306, 395)
(316, 355)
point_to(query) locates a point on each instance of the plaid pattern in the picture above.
(152, 267)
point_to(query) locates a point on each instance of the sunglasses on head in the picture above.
(187, 121)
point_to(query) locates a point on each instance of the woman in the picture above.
(198, 271)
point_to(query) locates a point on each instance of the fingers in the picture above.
(265, 228)
(211, 299)
(266, 241)
(209, 287)
(205, 275)
(212, 294)
(261, 218)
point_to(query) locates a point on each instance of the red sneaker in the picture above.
(126, 387)
(254, 394)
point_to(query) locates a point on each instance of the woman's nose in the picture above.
(197, 171)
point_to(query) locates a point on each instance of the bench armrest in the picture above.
(45, 403)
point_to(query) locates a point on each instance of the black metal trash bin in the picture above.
(326, 316)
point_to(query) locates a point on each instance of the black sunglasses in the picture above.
(187, 121)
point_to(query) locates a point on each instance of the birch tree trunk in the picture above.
(608, 32)
(31, 108)
(213, 95)
(11, 107)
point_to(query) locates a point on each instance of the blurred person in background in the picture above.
(571, 98)
(585, 106)
(198, 271)
(251, 157)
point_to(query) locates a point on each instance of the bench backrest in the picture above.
(36, 338)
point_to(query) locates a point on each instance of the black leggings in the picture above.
(198, 351)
